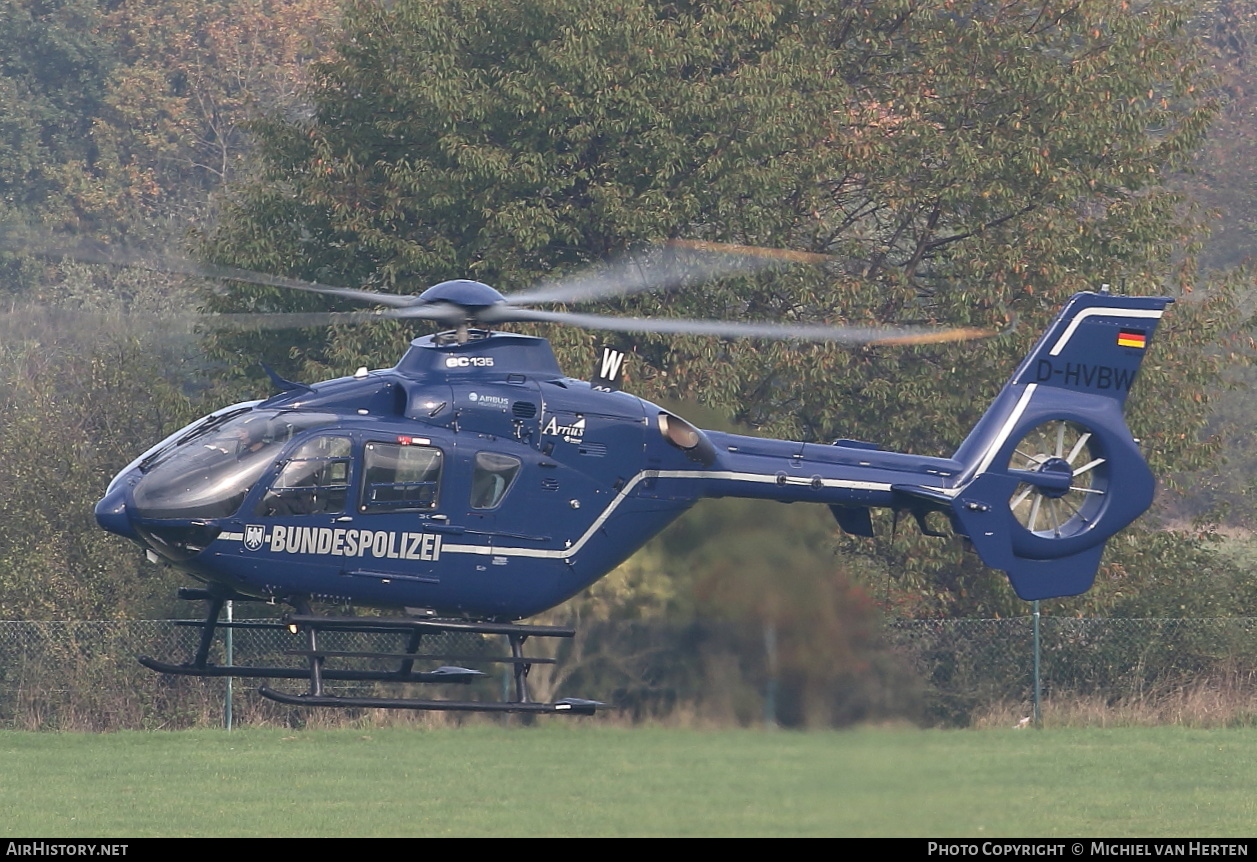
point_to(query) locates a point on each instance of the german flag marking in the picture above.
(1132, 338)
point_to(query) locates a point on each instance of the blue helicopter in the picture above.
(474, 484)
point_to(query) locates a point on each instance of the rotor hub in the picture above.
(1057, 474)
(462, 292)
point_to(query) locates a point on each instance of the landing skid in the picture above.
(402, 671)
(570, 705)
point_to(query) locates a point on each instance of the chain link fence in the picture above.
(1152, 667)
(82, 675)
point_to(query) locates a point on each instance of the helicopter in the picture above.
(474, 485)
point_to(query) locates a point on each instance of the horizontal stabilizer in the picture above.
(911, 496)
(854, 520)
(920, 501)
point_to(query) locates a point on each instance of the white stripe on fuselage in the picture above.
(624, 493)
(727, 475)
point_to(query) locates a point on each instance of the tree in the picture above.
(52, 72)
(189, 76)
(118, 120)
(1222, 176)
(962, 163)
(52, 69)
(76, 399)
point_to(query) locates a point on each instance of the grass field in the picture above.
(586, 780)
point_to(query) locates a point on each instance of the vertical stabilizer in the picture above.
(1051, 471)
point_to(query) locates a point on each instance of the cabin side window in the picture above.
(491, 479)
(397, 477)
(313, 481)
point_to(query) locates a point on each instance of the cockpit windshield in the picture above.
(208, 475)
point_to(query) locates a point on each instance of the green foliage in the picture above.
(52, 68)
(1221, 178)
(1221, 175)
(189, 75)
(770, 570)
(73, 412)
(1170, 574)
(52, 71)
(962, 163)
(117, 120)
(955, 175)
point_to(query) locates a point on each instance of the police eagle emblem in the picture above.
(254, 536)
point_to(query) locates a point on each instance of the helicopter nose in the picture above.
(111, 514)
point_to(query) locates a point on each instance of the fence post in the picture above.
(1038, 717)
(227, 646)
(770, 685)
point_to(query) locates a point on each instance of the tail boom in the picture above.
(1048, 475)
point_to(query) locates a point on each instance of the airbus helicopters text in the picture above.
(474, 484)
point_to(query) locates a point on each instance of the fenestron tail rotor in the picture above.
(1067, 479)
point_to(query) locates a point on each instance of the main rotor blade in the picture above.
(286, 320)
(85, 251)
(661, 268)
(784, 255)
(444, 314)
(392, 300)
(737, 329)
(34, 322)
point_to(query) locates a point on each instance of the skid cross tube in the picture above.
(521, 667)
(406, 656)
(317, 672)
(329, 674)
(370, 624)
